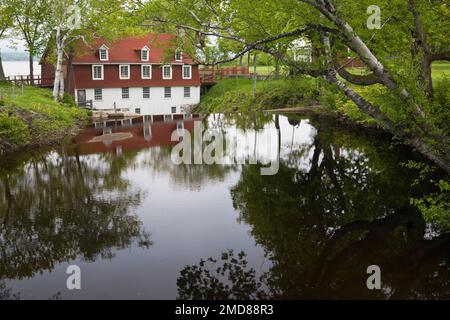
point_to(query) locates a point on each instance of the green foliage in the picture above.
(440, 109)
(435, 205)
(69, 100)
(33, 116)
(12, 128)
(237, 95)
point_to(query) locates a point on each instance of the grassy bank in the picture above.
(236, 95)
(30, 117)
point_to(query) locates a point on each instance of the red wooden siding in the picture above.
(83, 77)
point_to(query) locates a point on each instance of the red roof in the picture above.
(127, 50)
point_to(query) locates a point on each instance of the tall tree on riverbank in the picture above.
(5, 18)
(5, 25)
(83, 20)
(30, 21)
(392, 91)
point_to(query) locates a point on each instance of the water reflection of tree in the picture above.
(55, 208)
(324, 224)
(194, 177)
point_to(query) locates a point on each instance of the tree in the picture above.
(75, 21)
(333, 27)
(30, 19)
(5, 18)
(5, 25)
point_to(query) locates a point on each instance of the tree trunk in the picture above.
(30, 61)
(416, 142)
(422, 50)
(59, 55)
(355, 43)
(254, 75)
(61, 87)
(277, 68)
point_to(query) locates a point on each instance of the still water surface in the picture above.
(141, 227)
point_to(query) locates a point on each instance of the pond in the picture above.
(139, 226)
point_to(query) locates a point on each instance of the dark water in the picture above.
(140, 226)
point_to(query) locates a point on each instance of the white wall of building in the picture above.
(157, 104)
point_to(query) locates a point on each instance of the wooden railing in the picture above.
(88, 104)
(212, 75)
(35, 80)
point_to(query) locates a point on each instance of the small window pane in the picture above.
(167, 72)
(125, 93)
(144, 55)
(124, 72)
(98, 94)
(174, 109)
(187, 72)
(98, 72)
(103, 54)
(178, 55)
(167, 92)
(187, 92)
(146, 72)
(146, 93)
(137, 110)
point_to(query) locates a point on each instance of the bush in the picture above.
(440, 109)
(69, 100)
(13, 129)
(237, 94)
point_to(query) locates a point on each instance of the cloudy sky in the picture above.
(6, 45)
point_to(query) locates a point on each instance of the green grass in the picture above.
(237, 94)
(440, 70)
(32, 117)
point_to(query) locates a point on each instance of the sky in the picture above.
(6, 44)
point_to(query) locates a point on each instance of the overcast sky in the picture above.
(6, 45)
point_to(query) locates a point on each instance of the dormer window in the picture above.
(145, 53)
(103, 53)
(178, 55)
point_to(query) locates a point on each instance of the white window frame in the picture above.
(163, 76)
(103, 48)
(142, 71)
(143, 93)
(101, 94)
(184, 92)
(165, 97)
(120, 71)
(190, 71)
(128, 93)
(145, 49)
(102, 72)
(178, 52)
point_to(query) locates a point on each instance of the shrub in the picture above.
(13, 129)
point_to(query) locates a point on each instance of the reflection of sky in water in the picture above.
(189, 211)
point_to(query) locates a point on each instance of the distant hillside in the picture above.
(16, 56)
